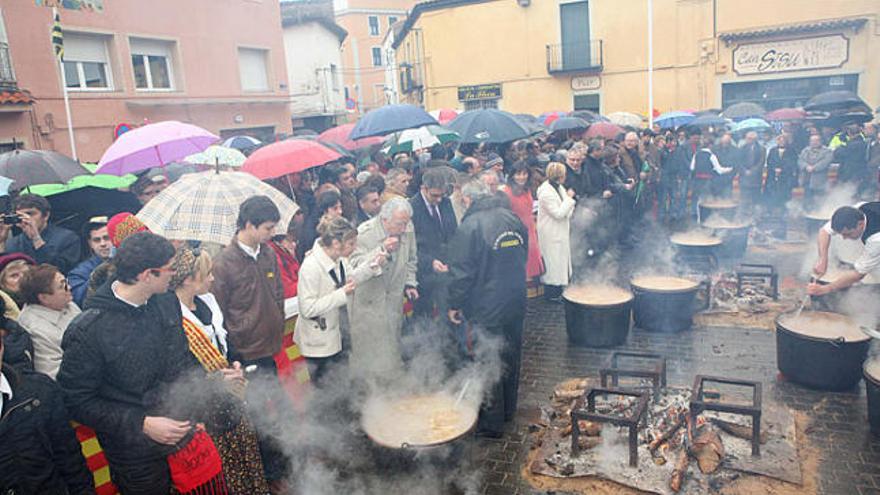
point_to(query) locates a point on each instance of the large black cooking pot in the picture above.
(813, 224)
(597, 325)
(666, 310)
(872, 387)
(820, 363)
(724, 209)
(734, 241)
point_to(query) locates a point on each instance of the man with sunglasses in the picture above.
(122, 358)
(98, 239)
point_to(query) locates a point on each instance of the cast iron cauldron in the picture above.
(695, 243)
(734, 238)
(722, 208)
(597, 316)
(872, 387)
(813, 223)
(664, 304)
(820, 350)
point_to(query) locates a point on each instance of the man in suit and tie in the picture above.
(434, 222)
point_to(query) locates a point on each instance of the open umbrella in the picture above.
(416, 139)
(708, 121)
(547, 118)
(590, 116)
(98, 181)
(488, 126)
(569, 124)
(204, 206)
(242, 143)
(340, 136)
(73, 208)
(743, 110)
(785, 115)
(28, 167)
(218, 155)
(154, 145)
(605, 130)
(751, 125)
(5, 184)
(333, 146)
(444, 116)
(287, 157)
(625, 119)
(390, 118)
(833, 100)
(674, 119)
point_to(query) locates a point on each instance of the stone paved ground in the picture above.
(849, 459)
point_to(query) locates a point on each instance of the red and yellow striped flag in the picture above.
(95, 459)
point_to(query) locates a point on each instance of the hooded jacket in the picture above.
(119, 365)
(39, 452)
(488, 264)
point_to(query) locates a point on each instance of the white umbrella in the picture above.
(204, 206)
(625, 119)
(218, 155)
(419, 138)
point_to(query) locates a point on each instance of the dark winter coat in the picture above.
(18, 348)
(852, 156)
(62, 247)
(751, 172)
(488, 264)
(119, 364)
(39, 452)
(432, 238)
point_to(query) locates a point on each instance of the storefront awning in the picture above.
(811, 27)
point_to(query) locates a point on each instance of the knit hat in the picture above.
(122, 225)
(6, 259)
(492, 160)
(184, 264)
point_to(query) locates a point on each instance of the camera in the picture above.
(11, 219)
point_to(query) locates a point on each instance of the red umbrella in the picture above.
(605, 130)
(549, 117)
(287, 157)
(784, 114)
(339, 136)
(444, 116)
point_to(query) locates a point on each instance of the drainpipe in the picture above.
(650, 64)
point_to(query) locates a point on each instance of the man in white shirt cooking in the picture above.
(851, 222)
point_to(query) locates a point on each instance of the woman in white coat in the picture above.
(555, 208)
(326, 280)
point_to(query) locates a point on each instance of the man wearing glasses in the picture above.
(121, 358)
(98, 239)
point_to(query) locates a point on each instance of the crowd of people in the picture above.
(157, 344)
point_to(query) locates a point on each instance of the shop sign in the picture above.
(479, 92)
(585, 83)
(822, 52)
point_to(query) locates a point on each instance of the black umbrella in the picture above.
(846, 118)
(707, 121)
(29, 168)
(488, 126)
(831, 100)
(568, 124)
(743, 110)
(74, 208)
(590, 117)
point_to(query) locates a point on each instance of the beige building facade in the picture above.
(535, 56)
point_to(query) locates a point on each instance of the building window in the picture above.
(254, 69)
(86, 62)
(392, 19)
(334, 77)
(346, 93)
(587, 102)
(480, 104)
(377, 56)
(152, 61)
(785, 92)
(7, 74)
(374, 25)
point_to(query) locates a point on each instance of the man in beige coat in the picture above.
(377, 307)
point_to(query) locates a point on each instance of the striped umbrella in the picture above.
(218, 155)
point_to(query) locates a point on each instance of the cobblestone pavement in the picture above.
(849, 459)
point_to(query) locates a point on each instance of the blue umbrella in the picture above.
(488, 126)
(242, 142)
(751, 125)
(707, 121)
(5, 182)
(391, 118)
(671, 120)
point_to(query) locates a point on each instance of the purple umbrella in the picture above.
(154, 145)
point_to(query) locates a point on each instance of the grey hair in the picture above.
(394, 205)
(435, 178)
(394, 173)
(475, 189)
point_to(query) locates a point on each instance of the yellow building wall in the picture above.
(501, 42)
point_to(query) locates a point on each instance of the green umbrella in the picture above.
(102, 181)
(423, 137)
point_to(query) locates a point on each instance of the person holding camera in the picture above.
(38, 239)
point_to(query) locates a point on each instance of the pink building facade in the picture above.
(218, 64)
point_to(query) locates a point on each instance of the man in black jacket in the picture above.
(121, 358)
(488, 287)
(434, 222)
(39, 452)
(42, 241)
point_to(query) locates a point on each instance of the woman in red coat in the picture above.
(285, 251)
(522, 204)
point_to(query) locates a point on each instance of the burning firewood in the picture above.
(738, 430)
(680, 470)
(587, 428)
(707, 449)
(666, 435)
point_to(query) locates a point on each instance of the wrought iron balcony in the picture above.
(584, 56)
(7, 76)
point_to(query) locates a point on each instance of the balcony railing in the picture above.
(7, 76)
(585, 56)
